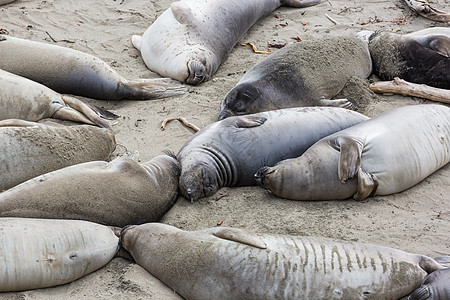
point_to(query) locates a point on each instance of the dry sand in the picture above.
(416, 220)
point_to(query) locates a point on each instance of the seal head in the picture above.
(200, 181)
(241, 100)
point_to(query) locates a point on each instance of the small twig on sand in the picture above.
(182, 120)
(331, 19)
(67, 41)
(400, 86)
(51, 37)
(255, 49)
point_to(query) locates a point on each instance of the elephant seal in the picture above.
(384, 155)
(116, 193)
(229, 152)
(35, 149)
(21, 98)
(69, 71)
(229, 263)
(192, 38)
(420, 57)
(308, 73)
(39, 253)
(436, 286)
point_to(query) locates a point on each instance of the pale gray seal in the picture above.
(229, 152)
(116, 193)
(39, 253)
(307, 73)
(69, 71)
(384, 155)
(436, 286)
(420, 57)
(229, 263)
(22, 98)
(191, 38)
(27, 151)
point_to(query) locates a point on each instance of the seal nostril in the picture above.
(189, 191)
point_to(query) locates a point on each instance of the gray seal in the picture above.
(420, 57)
(229, 263)
(69, 71)
(229, 152)
(308, 73)
(384, 155)
(116, 193)
(436, 286)
(29, 149)
(190, 40)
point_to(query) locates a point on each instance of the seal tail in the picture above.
(145, 89)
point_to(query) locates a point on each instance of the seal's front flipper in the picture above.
(182, 12)
(441, 46)
(239, 236)
(136, 40)
(17, 123)
(248, 121)
(344, 103)
(367, 185)
(299, 3)
(350, 156)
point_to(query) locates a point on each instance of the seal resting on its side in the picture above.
(229, 263)
(29, 149)
(69, 71)
(308, 73)
(116, 193)
(191, 38)
(37, 253)
(420, 57)
(21, 98)
(229, 152)
(384, 155)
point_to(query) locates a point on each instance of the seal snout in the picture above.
(260, 176)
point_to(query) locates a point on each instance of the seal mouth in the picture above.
(260, 177)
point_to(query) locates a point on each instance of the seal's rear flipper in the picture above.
(79, 111)
(350, 156)
(239, 236)
(145, 89)
(136, 40)
(367, 185)
(299, 3)
(104, 113)
(343, 103)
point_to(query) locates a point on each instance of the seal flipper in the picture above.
(350, 156)
(182, 12)
(421, 293)
(239, 236)
(367, 185)
(136, 40)
(248, 121)
(343, 103)
(440, 45)
(299, 3)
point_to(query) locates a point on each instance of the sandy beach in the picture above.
(416, 220)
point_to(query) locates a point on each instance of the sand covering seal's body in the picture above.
(191, 38)
(229, 263)
(308, 73)
(30, 151)
(384, 155)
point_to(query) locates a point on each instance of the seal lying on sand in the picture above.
(229, 152)
(21, 98)
(436, 286)
(69, 71)
(191, 38)
(38, 253)
(420, 57)
(384, 155)
(308, 73)
(29, 151)
(117, 193)
(229, 263)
